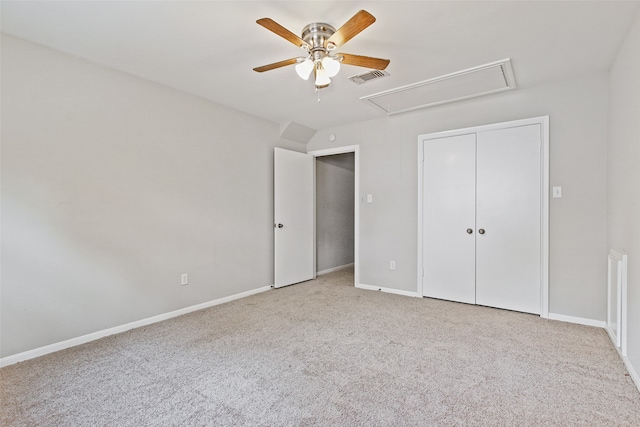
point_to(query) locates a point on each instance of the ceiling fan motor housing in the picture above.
(316, 35)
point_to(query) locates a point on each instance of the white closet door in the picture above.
(508, 253)
(449, 212)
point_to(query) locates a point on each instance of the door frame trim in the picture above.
(543, 121)
(356, 205)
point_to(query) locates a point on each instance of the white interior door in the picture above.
(293, 217)
(449, 218)
(508, 245)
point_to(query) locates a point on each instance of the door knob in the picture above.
(469, 231)
(278, 225)
(481, 231)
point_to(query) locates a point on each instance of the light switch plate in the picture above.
(557, 192)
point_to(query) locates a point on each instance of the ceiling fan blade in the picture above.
(276, 65)
(351, 28)
(273, 26)
(364, 61)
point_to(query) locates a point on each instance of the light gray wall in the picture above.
(112, 187)
(623, 178)
(578, 132)
(335, 177)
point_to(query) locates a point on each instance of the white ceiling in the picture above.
(209, 48)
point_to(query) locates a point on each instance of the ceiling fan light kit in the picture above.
(319, 40)
(322, 77)
(332, 65)
(304, 68)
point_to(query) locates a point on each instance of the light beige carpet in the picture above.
(325, 353)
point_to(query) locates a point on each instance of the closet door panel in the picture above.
(448, 212)
(508, 253)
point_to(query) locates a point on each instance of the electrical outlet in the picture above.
(184, 279)
(392, 265)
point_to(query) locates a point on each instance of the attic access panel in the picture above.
(482, 80)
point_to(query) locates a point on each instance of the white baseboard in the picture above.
(612, 336)
(578, 320)
(632, 372)
(627, 363)
(388, 290)
(331, 270)
(41, 351)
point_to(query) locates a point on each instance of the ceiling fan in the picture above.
(319, 40)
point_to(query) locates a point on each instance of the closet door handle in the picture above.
(481, 231)
(469, 231)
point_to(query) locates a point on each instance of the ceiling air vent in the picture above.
(482, 80)
(368, 76)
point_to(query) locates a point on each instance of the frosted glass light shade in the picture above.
(331, 65)
(304, 69)
(322, 78)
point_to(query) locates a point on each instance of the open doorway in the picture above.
(336, 211)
